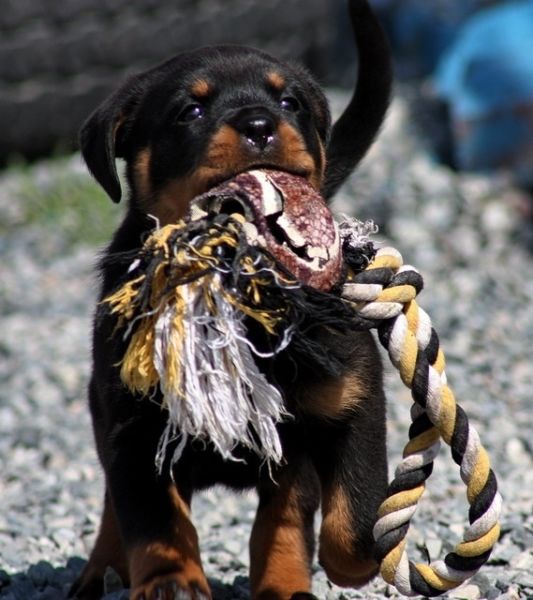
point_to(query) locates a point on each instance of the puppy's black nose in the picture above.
(258, 130)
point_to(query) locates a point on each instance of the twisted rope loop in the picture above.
(386, 292)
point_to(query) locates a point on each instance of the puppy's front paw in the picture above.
(173, 586)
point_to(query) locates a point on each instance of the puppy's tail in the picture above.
(357, 127)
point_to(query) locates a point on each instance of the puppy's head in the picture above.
(201, 118)
(204, 116)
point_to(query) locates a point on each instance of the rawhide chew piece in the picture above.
(285, 215)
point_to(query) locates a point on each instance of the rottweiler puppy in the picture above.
(181, 128)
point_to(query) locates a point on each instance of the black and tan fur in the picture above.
(182, 127)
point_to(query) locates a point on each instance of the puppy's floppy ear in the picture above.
(100, 133)
(356, 128)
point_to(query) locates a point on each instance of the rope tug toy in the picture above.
(255, 268)
(386, 291)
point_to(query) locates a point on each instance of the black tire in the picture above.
(60, 58)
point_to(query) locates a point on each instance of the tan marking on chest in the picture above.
(334, 399)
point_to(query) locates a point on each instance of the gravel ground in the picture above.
(467, 237)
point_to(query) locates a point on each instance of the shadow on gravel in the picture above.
(43, 581)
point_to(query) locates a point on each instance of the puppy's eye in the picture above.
(191, 113)
(289, 104)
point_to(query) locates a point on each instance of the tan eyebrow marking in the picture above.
(276, 80)
(201, 88)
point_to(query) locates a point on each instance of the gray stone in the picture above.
(512, 593)
(112, 581)
(41, 573)
(523, 561)
(467, 591)
(517, 453)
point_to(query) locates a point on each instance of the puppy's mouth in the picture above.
(283, 213)
(259, 166)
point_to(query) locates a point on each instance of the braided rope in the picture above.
(386, 292)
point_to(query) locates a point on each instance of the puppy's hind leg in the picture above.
(153, 513)
(147, 515)
(107, 552)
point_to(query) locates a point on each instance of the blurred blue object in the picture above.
(486, 77)
(421, 36)
(490, 65)
(420, 30)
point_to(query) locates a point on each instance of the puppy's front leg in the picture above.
(350, 457)
(282, 541)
